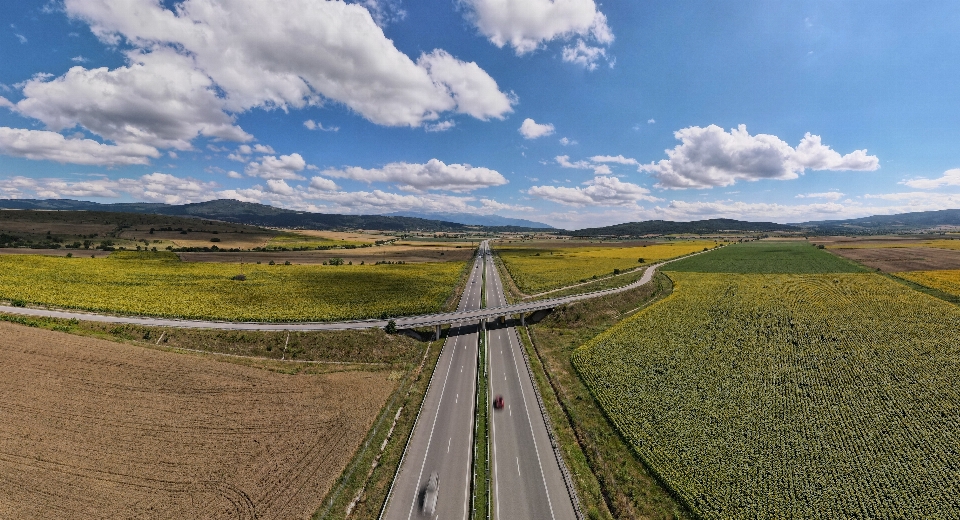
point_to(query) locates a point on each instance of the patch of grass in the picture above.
(766, 258)
(610, 480)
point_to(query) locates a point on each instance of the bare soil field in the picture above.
(369, 255)
(96, 429)
(898, 259)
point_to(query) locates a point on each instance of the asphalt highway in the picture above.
(526, 481)
(442, 438)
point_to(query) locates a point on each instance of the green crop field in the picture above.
(159, 284)
(541, 269)
(789, 395)
(767, 257)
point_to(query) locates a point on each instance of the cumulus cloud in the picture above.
(160, 99)
(43, 145)
(442, 126)
(434, 175)
(530, 129)
(949, 178)
(154, 187)
(587, 56)
(601, 191)
(829, 195)
(567, 142)
(319, 183)
(599, 169)
(298, 53)
(710, 156)
(618, 159)
(526, 25)
(272, 167)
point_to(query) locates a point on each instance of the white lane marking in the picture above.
(518, 466)
(530, 422)
(458, 399)
(432, 426)
(461, 369)
(510, 409)
(448, 444)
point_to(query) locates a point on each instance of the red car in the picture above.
(498, 402)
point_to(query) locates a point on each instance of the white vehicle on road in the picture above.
(430, 494)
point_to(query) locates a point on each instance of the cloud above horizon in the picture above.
(711, 157)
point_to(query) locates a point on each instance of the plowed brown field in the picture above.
(96, 429)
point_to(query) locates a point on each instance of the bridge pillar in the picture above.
(436, 333)
(523, 320)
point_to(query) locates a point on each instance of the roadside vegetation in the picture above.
(538, 269)
(776, 381)
(610, 480)
(159, 284)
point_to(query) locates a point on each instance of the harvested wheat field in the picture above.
(96, 429)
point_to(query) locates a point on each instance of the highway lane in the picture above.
(526, 481)
(442, 439)
(470, 315)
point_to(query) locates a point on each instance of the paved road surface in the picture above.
(468, 315)
(526, 481)
(442, 439)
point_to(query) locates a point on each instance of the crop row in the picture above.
(782, 396)
(169, 288)
(535, 270)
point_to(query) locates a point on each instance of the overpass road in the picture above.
(526, 481)
(442, 438)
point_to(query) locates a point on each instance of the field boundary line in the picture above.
(261, 358)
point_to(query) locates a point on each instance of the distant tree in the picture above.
(391, 327)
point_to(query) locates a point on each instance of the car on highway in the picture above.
(498, 402)
(430, 494)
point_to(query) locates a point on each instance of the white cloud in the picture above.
(298, 53)
(526, 24)
(618, 159)
(319, 183)
(601, 191)
(829, 195)
(567, 142)
(949, 178)
(442, 126)
(317, 125)
(42, 145)
(434, 175)
(79, 59)
(651, 121)
(709, 157)
(234, 175)
(587, 56)
(271, 167)
(22, 38)
(279, 187)
(160, 99)
(154, 187)
(599, 169)
(263, 148)
(473, 90)
(530, 129)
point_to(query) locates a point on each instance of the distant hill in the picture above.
(665, 227)
(248, 213)
(915, 221)
(476, 220)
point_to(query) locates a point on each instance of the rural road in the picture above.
(442, 438)
(469, 315)
(526, 481)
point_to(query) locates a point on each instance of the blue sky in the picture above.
(567, 112)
